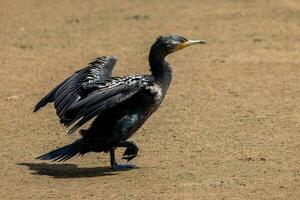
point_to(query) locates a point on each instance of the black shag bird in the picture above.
(120, 105)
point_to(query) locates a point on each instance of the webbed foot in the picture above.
(129, 157)
(117, 166)
(131, 150)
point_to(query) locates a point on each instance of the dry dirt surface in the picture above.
(228, 128)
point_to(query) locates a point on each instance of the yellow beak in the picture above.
(190, 43)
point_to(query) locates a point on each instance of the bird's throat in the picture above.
(158, 66)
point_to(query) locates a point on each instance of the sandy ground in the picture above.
(228, 128)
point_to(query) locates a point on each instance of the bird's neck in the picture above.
(158, 66)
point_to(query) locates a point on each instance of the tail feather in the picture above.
(64, 153)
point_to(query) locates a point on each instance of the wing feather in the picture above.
(103, 99)
(72, 89)
(90, 91)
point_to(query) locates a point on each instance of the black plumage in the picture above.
(120, 105)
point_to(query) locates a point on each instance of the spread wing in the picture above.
(72, 90)
(104, 96)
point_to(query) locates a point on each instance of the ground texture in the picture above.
(228, 128)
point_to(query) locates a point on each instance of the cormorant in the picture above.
(120, 105)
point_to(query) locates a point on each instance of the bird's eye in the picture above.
(168, 46)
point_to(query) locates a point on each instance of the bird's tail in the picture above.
(64, 153)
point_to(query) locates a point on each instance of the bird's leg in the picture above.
(131, 150)
(114, 164)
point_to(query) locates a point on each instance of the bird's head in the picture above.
(172, 43)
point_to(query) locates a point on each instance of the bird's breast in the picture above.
(135, 112)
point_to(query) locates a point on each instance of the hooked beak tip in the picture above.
(193, 42)
(202, 42)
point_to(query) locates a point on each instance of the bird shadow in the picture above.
(69, 170)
